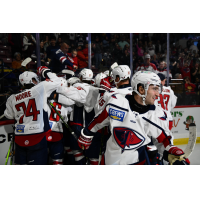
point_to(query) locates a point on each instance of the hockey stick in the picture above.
(192, 140)
(8, 154)
(71, 131)
(23, 64)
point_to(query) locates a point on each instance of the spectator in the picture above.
(158, 46)
(16, 42)
(59, 41)
(82, 59)
(96, 48)
(52, 48)
(29, 44)
(194, 71)
(106, 44)
(72, 37)
(125, 59)
(175, 69)
(155, 61)
(116, 52)
(122, 43)
(151, 49)
(72, 57)
(185, 71)
(189, 43)
(163, 69)
(46, 42)
(140, 51)
(79, 39)
(190, 92)
(193, 47)
(59, 60)
(16, 64)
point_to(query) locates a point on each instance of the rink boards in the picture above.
(181, 118)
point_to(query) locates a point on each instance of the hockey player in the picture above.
(130, 131)
(68, 95)
(121, 77)
(167, 100)
(29, 109)
(147, 66)
(55, 136)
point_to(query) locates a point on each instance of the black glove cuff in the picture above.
(165, 155)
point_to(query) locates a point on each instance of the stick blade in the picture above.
(26, 61)
(192, 140)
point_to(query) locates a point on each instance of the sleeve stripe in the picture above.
(62, 59)
(99, 119)
(163, 137)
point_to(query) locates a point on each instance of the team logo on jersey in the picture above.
(163, 117)
(26, 142)
(20, 128)
(49, 138)
(50, 124)
(127, 139)
(114, 96)
(116, 114)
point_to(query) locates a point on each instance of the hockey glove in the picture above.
(175, 156)
(106, 83)
(41, 70)
(84, 141)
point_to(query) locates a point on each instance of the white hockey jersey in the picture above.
(129, 130)
(55, 122)
(103, 99)
(151, 67)
(29, 109)
(167, 100)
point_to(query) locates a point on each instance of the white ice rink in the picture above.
(195, 156)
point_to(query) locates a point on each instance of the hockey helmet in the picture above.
(98, 78)
(145, 78)
(73, 80)
(86, 74)
(123, 71)
(26, 78)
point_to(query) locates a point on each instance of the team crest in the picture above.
(127, 139)
(164, 117)
(114, 96)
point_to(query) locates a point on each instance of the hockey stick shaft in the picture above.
(8, 153)
(71, 131)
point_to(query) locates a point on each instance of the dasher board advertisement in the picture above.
(182, 117)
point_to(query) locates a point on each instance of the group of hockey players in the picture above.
(114, 119)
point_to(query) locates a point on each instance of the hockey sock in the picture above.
(79, 157)
(57, 161)
(94, 161)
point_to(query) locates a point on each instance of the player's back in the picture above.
(29, 109)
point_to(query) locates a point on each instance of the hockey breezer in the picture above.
(71, 131)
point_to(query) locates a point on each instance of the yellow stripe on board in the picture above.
(181, 141)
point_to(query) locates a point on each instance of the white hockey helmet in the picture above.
(26, 78)
(73, 80)
(98, 78)
(86, 74)
(146, 78)
(63, 81)
(106, 72)
(123, 71)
